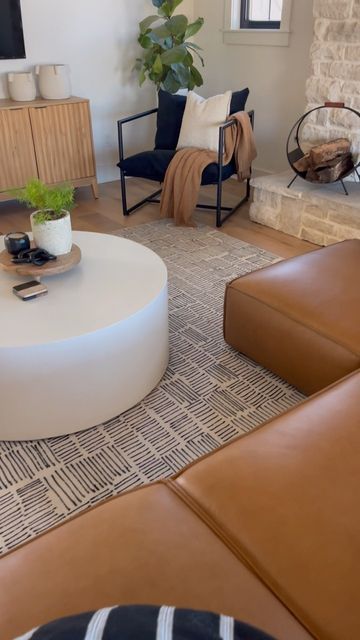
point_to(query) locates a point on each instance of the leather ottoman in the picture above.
(300, 318)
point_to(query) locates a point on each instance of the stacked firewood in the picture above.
(326, 162)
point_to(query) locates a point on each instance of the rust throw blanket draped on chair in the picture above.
(183, 176)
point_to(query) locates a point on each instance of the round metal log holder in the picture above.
(297, 153)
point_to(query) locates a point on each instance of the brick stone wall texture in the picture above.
(335, 57)
(316, 215)
(321, 215)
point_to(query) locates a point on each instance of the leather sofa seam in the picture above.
(242, 556)
(293, 318)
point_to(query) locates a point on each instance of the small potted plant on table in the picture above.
(50, 223)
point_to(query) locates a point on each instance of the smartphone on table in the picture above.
(30, 290)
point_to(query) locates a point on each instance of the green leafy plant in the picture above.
(168, 60)
(51, 203)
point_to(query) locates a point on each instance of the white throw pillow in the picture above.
(201, 120)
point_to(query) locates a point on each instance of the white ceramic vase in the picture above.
(55, 236)
(22, 86)
(54, 81)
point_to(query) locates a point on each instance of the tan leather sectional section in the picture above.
(287, 497)
(300, 317)
(266, 529)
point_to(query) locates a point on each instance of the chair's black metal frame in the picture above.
(153, 197)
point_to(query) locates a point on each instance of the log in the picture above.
(331, 171)
(337, 170)
(303, 164)
(334, 163)
(322, 153)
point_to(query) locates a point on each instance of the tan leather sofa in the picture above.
(265, 529)
(301, 317)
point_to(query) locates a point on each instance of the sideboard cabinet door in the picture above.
(63, 141)
(17, 156)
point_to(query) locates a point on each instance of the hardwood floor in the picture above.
(105, 215)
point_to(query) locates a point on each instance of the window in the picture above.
(260, 14)
(257, 22)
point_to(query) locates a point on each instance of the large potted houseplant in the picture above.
(50, 223)
(168, 58)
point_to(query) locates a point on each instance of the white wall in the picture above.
(97, 38)
(276, 76)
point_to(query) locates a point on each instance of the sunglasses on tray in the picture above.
(37, 257)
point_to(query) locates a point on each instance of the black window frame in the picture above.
(246, 23)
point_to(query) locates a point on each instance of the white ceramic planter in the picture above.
(54, 81)
(22, 86)
(55, 235)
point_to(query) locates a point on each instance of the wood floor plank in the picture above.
(105, 216)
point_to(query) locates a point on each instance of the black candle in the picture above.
(16, 242)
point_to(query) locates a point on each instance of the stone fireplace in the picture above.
(335, 58)
(322, 214)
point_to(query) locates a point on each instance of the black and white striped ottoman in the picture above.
(146, 623)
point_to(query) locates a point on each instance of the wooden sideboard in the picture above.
(47, 139)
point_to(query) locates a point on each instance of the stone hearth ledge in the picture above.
(319, 214)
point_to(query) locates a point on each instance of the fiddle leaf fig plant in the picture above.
(168, 58)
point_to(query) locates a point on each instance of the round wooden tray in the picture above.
(51, 268)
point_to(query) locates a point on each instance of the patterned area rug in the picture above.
(209, 395)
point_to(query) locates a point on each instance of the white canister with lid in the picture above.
(22, 86)
(54, 81)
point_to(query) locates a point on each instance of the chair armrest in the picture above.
(137, 116)
(123, 121)
(222, 128)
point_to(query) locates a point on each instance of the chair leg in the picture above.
(218, 203)
(123, 193)
(218, 207)
(152, 197)
(222, 212)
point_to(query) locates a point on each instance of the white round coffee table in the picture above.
(91, 348)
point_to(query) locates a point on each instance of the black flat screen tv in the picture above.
(11, 32)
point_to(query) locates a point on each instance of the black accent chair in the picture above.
(152, 165)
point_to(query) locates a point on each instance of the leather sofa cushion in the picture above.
(145, 547)
(152, 165)
(287, 499)
(300, 317)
